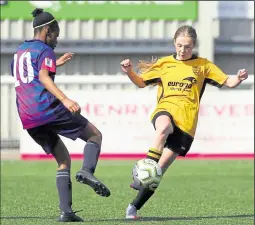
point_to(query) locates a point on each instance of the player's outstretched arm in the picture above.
(64, 58)
(127, 67)
(138, 81)
(233, 82)
(53, 89)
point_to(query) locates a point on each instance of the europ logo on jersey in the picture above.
(185, 86)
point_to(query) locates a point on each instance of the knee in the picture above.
(162, 132)
(96, 137)
(99, 135)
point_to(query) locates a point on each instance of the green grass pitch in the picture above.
(193, 192)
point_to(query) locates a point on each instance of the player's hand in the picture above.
(64, 58)
(242, 74)
(72, 106)
(126, 65)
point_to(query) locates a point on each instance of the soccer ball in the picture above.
(147, 173)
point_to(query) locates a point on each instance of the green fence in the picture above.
(99, 10)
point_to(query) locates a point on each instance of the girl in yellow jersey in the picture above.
(181, 79)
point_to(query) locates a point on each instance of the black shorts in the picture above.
(68, 125)
(179, 141)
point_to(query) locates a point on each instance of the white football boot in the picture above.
(131, 212)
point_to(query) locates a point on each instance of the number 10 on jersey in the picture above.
(23, 69)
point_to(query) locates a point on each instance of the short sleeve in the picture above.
(47, 61)
(214, 75)
(152, 75)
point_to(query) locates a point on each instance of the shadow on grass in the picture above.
(192, 218)
(137, 220)
(26, 217)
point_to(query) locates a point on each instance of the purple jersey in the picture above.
(36, 106)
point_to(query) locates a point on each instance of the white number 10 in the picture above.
(30, 71)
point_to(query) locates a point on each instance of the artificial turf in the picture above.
(192, 192)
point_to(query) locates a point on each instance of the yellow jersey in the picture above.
(180, 87)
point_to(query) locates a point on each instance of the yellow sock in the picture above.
(154, 154)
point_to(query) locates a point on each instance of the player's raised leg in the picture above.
(93, 138)
(163, 127)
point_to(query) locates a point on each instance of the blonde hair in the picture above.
(185, 30)
(143, 65)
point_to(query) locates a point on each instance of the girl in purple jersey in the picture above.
(46, 112)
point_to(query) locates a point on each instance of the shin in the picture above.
(93, 138)
(63, 181)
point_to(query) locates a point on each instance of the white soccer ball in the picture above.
(147, 173)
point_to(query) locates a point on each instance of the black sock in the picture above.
(64, 190)
(70, 198)
(142, 197)
(91, 154)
